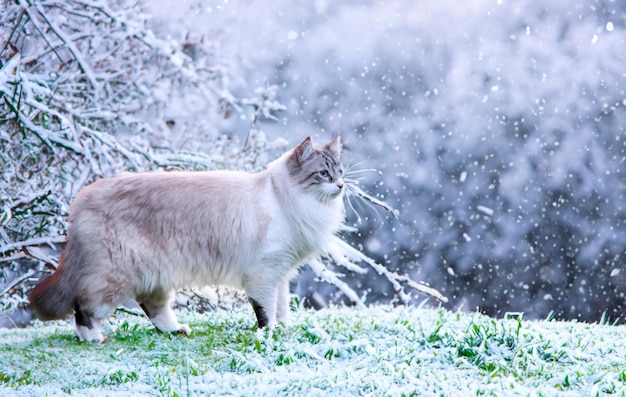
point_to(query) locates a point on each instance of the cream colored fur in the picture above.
(140, 236)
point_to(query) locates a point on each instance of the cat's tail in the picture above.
(53, 298)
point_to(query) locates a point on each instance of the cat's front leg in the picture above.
(282, 303)
(262, 296)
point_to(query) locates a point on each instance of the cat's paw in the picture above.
(184, 330)
(266, 333)
(87, 334)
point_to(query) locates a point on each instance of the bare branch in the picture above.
(50, 240)
(69, 44)
(17, 282)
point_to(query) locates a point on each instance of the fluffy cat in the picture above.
(140, 236)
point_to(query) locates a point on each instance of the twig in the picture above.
(26, 9)
(255, 118)
(17, 282)
(394, 278)
(354, 188)
(9, 42)
(330, 277)
(33, 241)
(78, 56)
(132, 312)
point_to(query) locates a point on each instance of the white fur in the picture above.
(90, 334)
(166, 321)
(142, 235)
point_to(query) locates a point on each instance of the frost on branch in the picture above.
(88, 90)
(344, 255)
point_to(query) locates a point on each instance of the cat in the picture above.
(142, 235)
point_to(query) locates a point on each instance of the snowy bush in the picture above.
(87, 90)
(498, 125)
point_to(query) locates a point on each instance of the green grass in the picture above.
(339, 351)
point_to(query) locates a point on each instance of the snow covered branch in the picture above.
(344, 255)
(343, 252)
(86, 90)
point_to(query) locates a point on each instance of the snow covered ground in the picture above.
(340, 351)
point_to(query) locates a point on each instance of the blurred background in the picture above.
(495, 127)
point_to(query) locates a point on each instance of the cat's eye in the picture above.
(324, 173)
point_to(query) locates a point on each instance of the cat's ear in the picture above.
(304, 150)
(335, 146)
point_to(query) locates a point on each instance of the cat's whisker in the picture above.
(360, 171)
(351, 167)
(348, 196)
(326, 195)
(351, 181)
(354, 189)
(351, 175)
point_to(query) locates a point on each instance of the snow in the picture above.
(341, 351)
(497, 129)
(511, 106)
(485, 210)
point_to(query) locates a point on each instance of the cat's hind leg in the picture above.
(88, 325)
(157, 307)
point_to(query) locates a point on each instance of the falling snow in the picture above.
(498, 121)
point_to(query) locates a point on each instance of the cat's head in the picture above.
(318, 169)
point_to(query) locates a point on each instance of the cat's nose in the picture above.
(340, 184)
